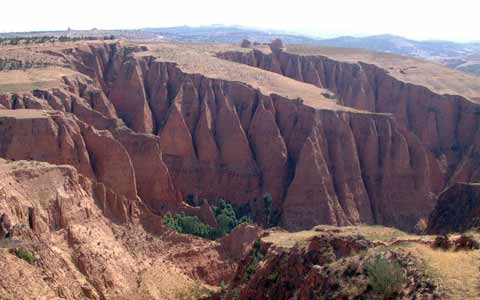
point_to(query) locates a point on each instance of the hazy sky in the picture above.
(418, 19)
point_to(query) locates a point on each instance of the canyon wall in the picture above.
(182, 133)
(447, 125)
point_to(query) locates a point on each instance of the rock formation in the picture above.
(65, 220)
(457, 210)
(325, 266)
(174, 132)
(97, 155)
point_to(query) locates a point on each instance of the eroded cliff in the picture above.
(209, 135)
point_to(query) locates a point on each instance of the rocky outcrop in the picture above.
(457, 210)
(238, 243)
(43, 136)
(59, 138)
(129, 98)
(60, 218)
(326, 266)
(221, 138)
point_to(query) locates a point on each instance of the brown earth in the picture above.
(130, 130)
(323, 264)
(54, 211)
(331, 263)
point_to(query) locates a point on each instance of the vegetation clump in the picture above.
(385, 277)
(256, 258)
(26, 255)
(225, 216)
(187, 224)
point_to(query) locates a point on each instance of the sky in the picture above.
(456, 20)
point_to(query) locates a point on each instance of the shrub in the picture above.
(195, 292)
(256, 257)
(26, 255)
(187, 224)
(385, 277)
(227, 217)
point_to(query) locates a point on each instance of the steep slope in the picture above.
(435, 104)
(330, 264)
(235, 131)
(457, 210)
(131, 130)
(79, 253)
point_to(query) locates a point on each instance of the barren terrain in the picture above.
(360, 154)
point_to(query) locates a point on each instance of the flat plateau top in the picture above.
(16, 81)
(200, 59)
(437, 78)
(24, 68)
(27, 113)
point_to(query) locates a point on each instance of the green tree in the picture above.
(187, 224)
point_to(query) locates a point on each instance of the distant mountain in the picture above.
(461, 56)
(226, 34)
(404, 46)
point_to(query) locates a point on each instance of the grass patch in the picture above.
(454, 272)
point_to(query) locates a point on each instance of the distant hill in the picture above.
(99, 33)
(461, 56)
(226, 34)
(404, 46)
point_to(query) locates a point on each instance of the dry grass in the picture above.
(456, 273)
(285, 239)
(42, 65)
(372, 232)
(26, 113)
(436, 77)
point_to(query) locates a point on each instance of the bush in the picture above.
(225, 216)
(195, 292)
(25, 254)
(187, 224)
(385, 277)
(256, 257)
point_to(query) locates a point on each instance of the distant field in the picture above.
(28, 80)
